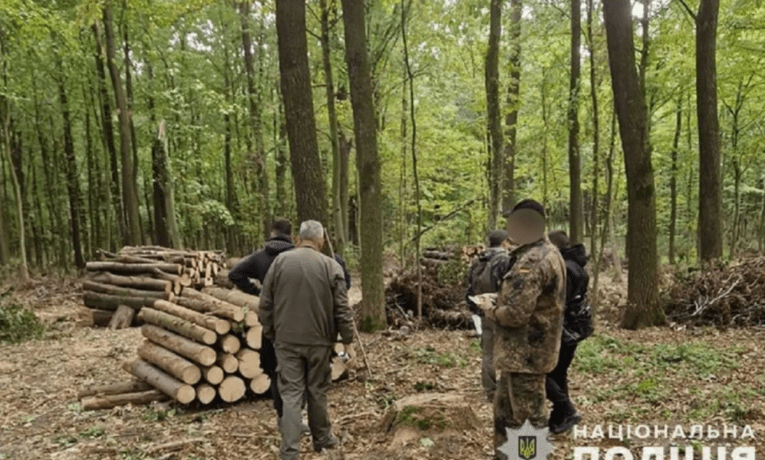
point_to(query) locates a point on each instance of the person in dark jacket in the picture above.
(485, 277)
(256, 265)
(564, 416)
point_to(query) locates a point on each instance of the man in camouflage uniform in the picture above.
(529, 318)
(485, 277)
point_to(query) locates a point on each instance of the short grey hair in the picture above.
(311, 230)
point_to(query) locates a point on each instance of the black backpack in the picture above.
(577, 321)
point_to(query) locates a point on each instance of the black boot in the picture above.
(564, 418)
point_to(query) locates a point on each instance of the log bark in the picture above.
(108, 401)
(220, 326)
(260, 384)
(199, 301)
(231, 389)
(238, 298)
(206, 393)
(112, 302)
(230, 343)
(254, 337)
(213, 375)
(117, 267)
(136, 282)
(122, 318)
(178, 325)
(181, 392)
(101, 318)
(228, 362)
(134, 386)
(221, 279)
(201, 354)
(178, 367)
(249, 363)
(123, 291)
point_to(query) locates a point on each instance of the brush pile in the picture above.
(444, 272)
(199, 344)
(721, 296)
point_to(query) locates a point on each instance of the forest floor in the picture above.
(662, 376)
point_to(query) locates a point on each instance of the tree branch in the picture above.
(688, 9)
(446, 217)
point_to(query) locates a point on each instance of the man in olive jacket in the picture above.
(303, 308)
(529, 318)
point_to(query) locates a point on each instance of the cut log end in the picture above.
(213, 375)
(260, 384)
(232, 389)
(206, 393)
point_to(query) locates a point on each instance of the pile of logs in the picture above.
(199, 344)
(118, 286)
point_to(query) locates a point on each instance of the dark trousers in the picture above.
(268, 363)
(556, 384)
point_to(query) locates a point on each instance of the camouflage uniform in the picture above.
(529, 319)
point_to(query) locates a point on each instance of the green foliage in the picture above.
(18, 324)
(415, 417)
(430, 355)
(158, 415)
(93, 432)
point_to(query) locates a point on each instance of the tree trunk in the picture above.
(574, 159)
(258, 156)
(513, 105)
(673, 181)
(136, 282)
(129, 187)
(491, 70)
(367, 165)
(178, 325)
(134, 139)
(108, 137)
(123, 291)
(220, 326)
(111, 302)
(298, 106)
(201, 354)
(169, 362)
(281, 163)
(643, 307)
(72, 177)
(710, 193)
(594, 83)
(181, 392)
(337, 216)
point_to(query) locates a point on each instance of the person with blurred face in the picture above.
(528, 314)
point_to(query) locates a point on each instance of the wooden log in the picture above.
(112, 302)
(439, 255)
(157, 378)
(122, 318)
(231, 389)
(178, 325)
(124, 291)
(206, 393)
(251, 319)
(100, 318)
(254, 337)
(213, 374)
(199, 301)
(133, 386)
(260, 384)
(144, 283)
(230, 344)
(108, 401)
(228, 362)
(220, 326)
(238, 298)
(180, 368)
(117, 267)
(201, 354)
(249, 363)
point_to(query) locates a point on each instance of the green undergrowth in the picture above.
(18, 324)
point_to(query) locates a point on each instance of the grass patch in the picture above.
(430, 355)
(412, 416)
(18, 324)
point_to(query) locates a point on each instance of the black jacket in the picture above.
(577, 277)
(347, 275)
(256, 265)
(498, 262)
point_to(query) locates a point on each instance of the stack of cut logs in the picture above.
(432, 258)
(199, 344)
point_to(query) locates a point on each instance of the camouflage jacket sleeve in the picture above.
(518, 296)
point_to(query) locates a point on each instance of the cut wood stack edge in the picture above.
(199, 345)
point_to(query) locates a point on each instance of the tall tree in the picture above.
(326, 57)
(494, 123)
(596, 170)
(295, 76)
(576, 215)
(129, 186)
(256, 121)
(513, 105)
(367, 164)
(643, 307)
(673, 179)
(710, 190)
